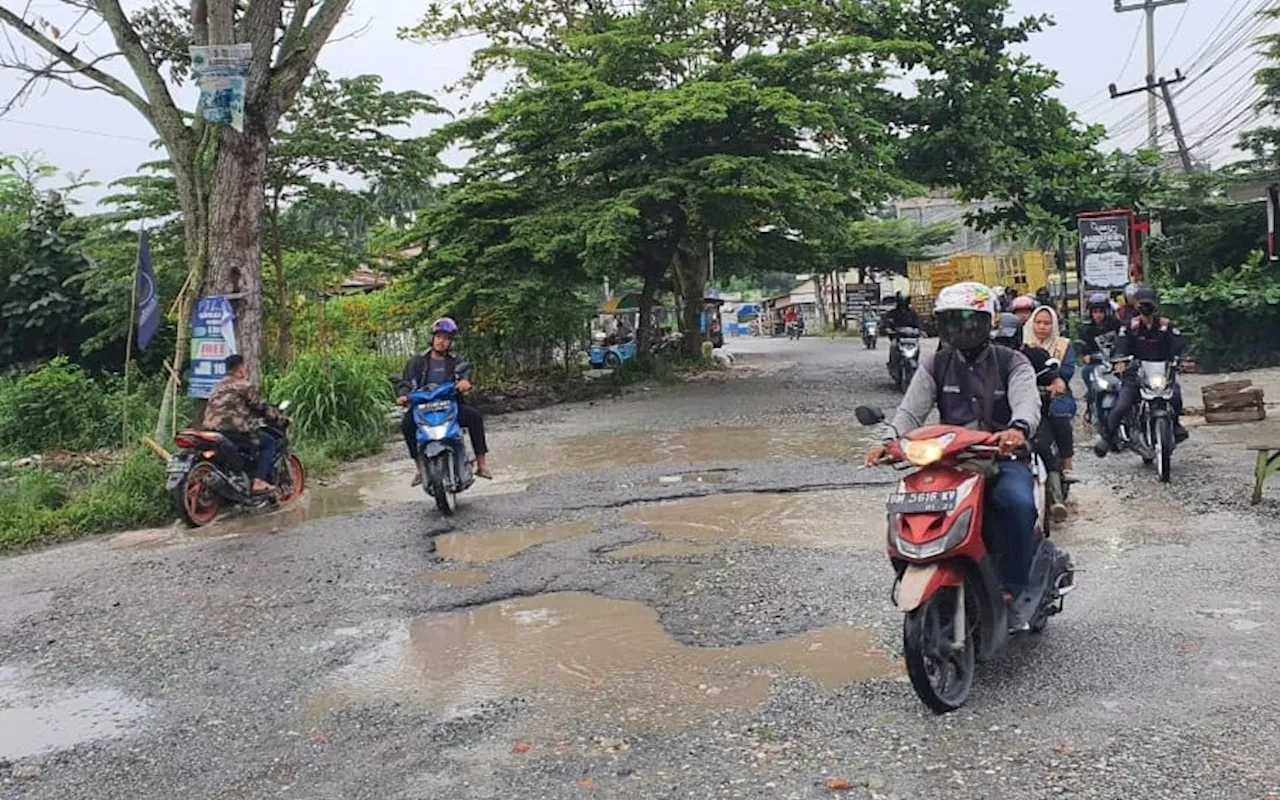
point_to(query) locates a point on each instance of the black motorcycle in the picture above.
(210, 471)
(905, 358)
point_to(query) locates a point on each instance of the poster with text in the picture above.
(1104, 252)
(213, 338)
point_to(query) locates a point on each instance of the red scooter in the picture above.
(948, 583)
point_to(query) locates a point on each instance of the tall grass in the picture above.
(40, 506)
(338, 404)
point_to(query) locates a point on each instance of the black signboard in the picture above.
(858, 296)
(1105, 253)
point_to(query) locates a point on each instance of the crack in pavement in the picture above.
(799, 489)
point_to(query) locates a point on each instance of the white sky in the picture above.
(1091, 46)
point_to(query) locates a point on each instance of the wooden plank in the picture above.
(1252, 415)
(1266, 448)
(1225, 387)
(1238, 402)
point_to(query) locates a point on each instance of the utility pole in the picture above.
(1149, 6)
(1163, 85)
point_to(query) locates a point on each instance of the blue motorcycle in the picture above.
(443, 460)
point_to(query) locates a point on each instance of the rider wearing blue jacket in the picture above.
(434, 367)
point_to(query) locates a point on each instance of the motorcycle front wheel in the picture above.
(941, 676)
(1164, 448)
(436, 480)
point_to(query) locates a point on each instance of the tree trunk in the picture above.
(235, 234)
(648, 295)
(691, 276)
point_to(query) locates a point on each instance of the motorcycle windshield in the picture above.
(1155, 376)
(908, 333)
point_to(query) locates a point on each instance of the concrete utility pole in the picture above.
(1149, 6)
(1163, 85)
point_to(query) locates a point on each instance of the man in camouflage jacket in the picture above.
(236, 410)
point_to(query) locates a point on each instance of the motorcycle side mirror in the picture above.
(868, 416)
(284, 405)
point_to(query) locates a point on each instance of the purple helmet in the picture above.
(444, 325)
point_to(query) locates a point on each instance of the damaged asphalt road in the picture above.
(569, 634)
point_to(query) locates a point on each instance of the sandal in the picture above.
(484, 473)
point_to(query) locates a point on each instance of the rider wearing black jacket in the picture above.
(1146, 337)
(902, 315)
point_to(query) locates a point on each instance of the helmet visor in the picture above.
(964, 330)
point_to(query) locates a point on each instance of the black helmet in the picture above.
(1145, 299)
(901, 300)
(1099, 300)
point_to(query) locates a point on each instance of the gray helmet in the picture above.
(1008, 331)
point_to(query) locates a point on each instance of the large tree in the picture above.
(219, 173)
(658, 130)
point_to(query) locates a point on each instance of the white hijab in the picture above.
(1055, 345)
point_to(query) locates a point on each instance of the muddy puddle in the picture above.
(702, 444)
(482, 547)
(801, 519)
(458, 578)
(664, 548)
(355, 491)
(35, 720)
(1101, 519)
(577, 654)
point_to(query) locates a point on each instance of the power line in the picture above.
(121, 136)
(1169, 42)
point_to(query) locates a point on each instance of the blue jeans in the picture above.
(267, 448)
(1011, 522)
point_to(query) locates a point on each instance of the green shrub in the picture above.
(56, 407)
(38, 507)
(334, 397)
(1233, 322)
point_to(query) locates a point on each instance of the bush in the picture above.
(56, 407)
(39, 507)
(341, 397)
(1233, 322)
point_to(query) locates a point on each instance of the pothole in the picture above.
(574, 654)
(802, 519)
(482, 547)
(35, 720)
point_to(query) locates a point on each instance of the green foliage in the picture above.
(337, 396)
(1233, 321)
(39, 507)
(56, 407)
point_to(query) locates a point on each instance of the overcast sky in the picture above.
(1090, 47)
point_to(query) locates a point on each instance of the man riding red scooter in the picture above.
(967, 531)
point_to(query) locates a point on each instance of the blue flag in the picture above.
(148, 298)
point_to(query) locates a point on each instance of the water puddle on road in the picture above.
(802, 519)
(36, 720)
(484, 547)
(678, 446)
(458, 578)
(574, 653)
(355, 491)
(664, 548)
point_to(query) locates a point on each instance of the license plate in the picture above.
(177, 464)
(922, 502)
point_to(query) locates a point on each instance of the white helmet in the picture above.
(967, 296)
(965, 313)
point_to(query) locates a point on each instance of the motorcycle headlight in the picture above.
(954, 537)
(436, 431)
(924, 452)
(1157, 382)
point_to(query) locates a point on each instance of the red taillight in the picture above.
(184, 441)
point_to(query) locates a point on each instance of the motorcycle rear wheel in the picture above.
(194, 499)
(942, 679)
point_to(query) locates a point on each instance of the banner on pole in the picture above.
(213, 338)
(148, 297)
(1106, 251)
(220, 72)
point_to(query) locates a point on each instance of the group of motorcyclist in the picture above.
(988, 372)
(237, 410)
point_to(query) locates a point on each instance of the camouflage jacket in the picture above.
(236, 407)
